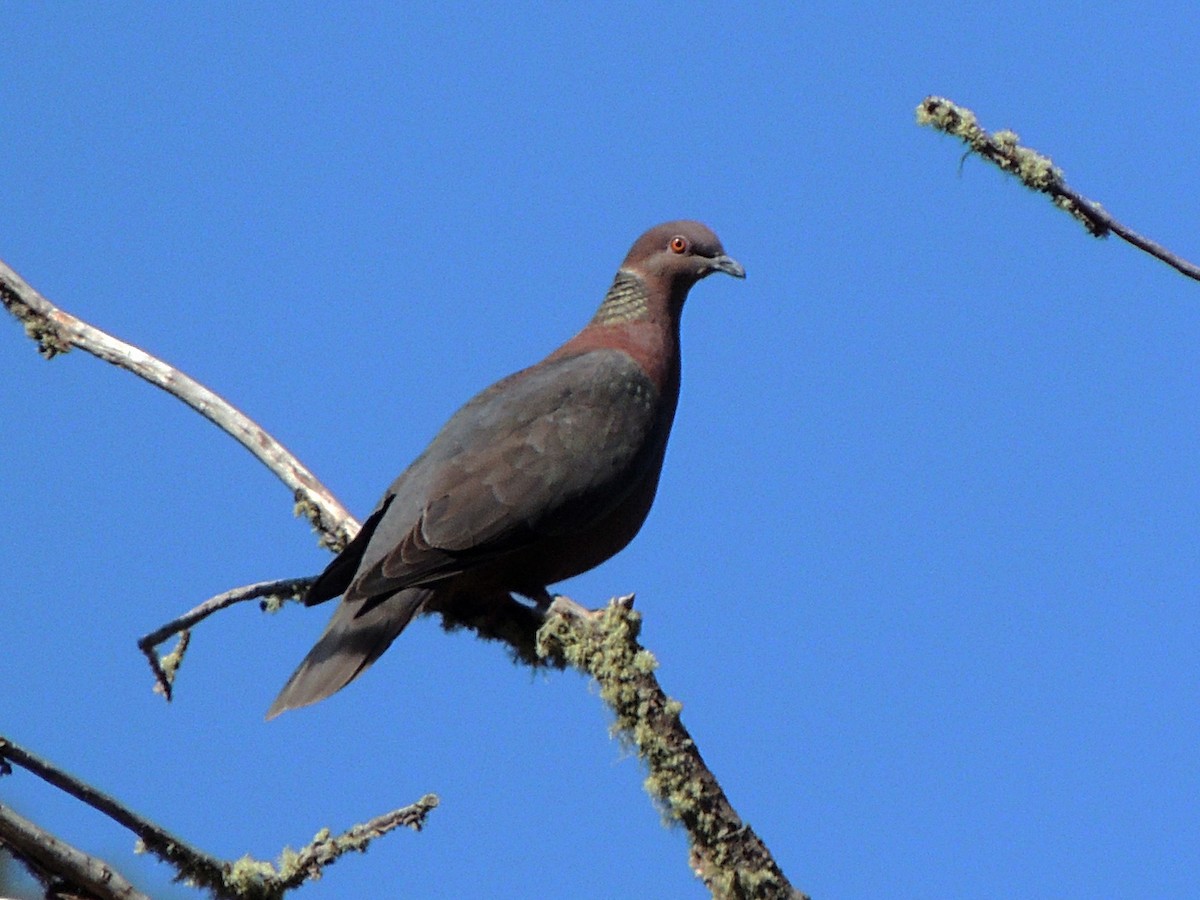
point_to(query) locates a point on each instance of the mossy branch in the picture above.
(725, 853)
(243, 879)
(1038, 172)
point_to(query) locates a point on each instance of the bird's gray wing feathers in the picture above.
(350, 642)
(546, 451)
(339, 573)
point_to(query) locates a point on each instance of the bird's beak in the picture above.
(726, 264)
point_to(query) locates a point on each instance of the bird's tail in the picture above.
(354, 638)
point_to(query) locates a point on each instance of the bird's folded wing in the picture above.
(548, 451)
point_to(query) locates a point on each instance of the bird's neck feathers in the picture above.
(626, 301)
(634, 298)
(640, 321)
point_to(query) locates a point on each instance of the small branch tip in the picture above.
(1038, 172)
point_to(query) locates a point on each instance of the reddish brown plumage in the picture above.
(542, 476)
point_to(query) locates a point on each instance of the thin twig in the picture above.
(725, 852)
(296, 868)
(164, 667)
(57, 332)
(241, 880)
(253, 878)
(50, 859)
(1039, 173)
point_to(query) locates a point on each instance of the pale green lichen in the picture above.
(329, 537)
(50, 342)
(250, 877)
(273, 603)
(1035, 170)
(288, 860)
(605, 646)
(37, 324)
(644, 661)
(169, 663)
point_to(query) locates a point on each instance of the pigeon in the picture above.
(538, 478)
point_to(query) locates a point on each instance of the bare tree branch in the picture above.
(57, 332)
(164, 667)
(51, 859)
(191, 864)
(245, 879)
(725, 854)
(502, 619)
(1038, 173)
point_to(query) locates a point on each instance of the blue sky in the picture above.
(923, 565)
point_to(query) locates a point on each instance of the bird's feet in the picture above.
(567, 607)
(548, 603)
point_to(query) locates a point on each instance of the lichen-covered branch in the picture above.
(244, 879)
(1039, 173)
(57, 331)
(297, 866)
(724, 851)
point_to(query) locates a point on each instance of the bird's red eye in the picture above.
(678, 244)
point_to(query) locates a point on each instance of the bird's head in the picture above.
(678, 254)
(660, 269)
